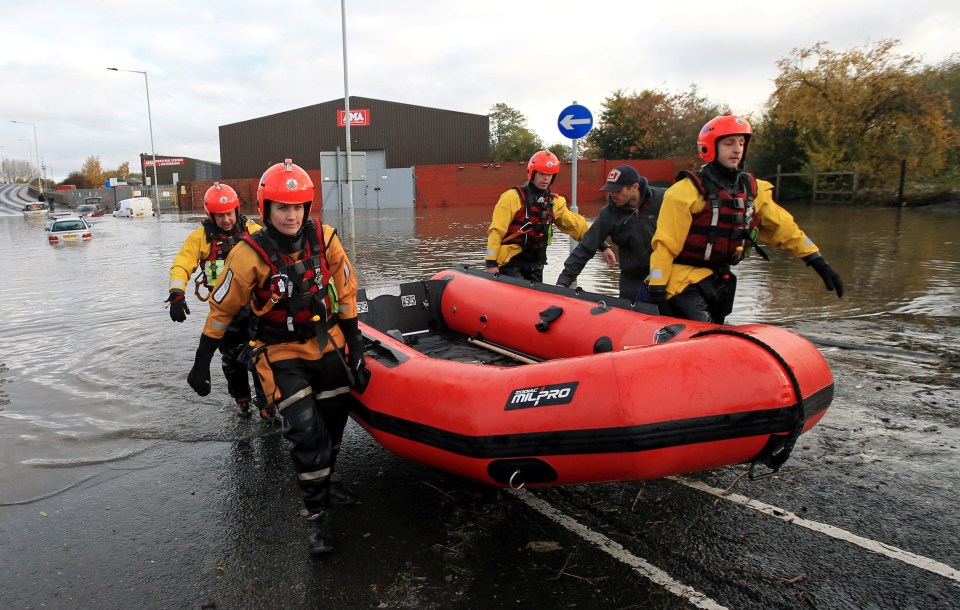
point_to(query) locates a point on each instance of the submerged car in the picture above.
(85, 210)
(68, 228)
(34, 210)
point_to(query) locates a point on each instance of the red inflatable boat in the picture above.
(511, 382)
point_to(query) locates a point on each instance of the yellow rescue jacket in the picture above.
(681, 201)
(571, 223)
(195, 249)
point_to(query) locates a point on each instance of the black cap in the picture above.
(619, 177)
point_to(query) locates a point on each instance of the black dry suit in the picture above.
(631, 229)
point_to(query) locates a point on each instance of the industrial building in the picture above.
(171, 170)
(387, 140)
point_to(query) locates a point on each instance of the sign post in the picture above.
(574, 122)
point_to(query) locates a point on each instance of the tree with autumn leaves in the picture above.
(92, 175)
(649, 125)
(869, 108)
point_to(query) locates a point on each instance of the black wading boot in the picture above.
(340, 495)
(320, 537)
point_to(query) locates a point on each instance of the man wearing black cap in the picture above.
(629, 219)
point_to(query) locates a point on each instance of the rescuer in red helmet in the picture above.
(207, 247)
(711, 219)
(305, 294)
(523, 220)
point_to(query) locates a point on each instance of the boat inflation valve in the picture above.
(547, 316)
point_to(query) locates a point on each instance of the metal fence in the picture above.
(166, 195)
(827, 187)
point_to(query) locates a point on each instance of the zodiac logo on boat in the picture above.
(542, 396)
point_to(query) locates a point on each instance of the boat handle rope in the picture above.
(510, 482)
(776, 458)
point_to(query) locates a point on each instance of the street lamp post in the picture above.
(36, 148)
(153, 152)
(30, 148)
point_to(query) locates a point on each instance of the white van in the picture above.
(135, 207)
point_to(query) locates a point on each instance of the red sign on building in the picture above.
(163, 162)
(358, 117)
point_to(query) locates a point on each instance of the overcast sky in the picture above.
(218, 62)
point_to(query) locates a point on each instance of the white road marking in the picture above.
(619, 553)
(919, 561)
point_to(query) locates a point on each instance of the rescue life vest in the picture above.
(721, 234)
(299, 289)
(533, 222)
(220, 246)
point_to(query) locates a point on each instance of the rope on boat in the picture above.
(777, 457)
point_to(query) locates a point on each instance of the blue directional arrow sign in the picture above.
(575, 121)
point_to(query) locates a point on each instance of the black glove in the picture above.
(831, 279)
(178, 306)
(658, 296)
(564, 280)
(199, 377)
(356, 365)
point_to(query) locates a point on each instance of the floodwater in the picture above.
(120, 487)
(92, 370)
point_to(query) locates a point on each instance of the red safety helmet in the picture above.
(545, 162)
(719, 128)
(220, 199)
(286, 184)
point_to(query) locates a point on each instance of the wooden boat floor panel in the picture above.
(454, 346)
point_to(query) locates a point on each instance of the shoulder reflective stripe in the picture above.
(224, 288)
(286, 402)
(331, 393)
(313, 476)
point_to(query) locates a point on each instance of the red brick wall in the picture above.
(472, 184)
(469, 184)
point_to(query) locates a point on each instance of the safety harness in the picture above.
(299, 296)
(532, 225)
(220, 246)
(723, 232)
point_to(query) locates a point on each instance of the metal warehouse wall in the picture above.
(410, 135)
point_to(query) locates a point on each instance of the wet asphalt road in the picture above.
(215, 525)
